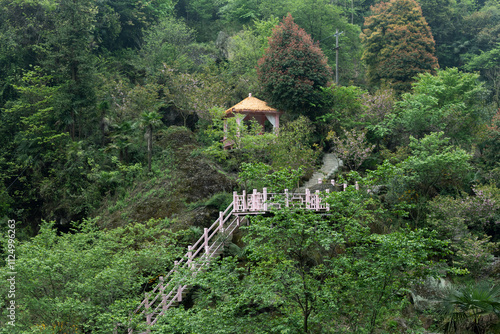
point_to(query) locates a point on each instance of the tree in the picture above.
(321, 19)
(343, 107)
(310, 273)
(488, 63)
(435, 167)
(449, 101)
(352, 148)
(398, 44)
(87, 280)
(293, 68)
(294, 148)
(445, 23)
(148, 121)
(473, 307)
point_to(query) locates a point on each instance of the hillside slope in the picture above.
(177, 188)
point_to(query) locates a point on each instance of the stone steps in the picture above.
(330, 165)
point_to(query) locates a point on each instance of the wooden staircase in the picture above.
(175, 285)
(172, 288)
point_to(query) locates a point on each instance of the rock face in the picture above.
(187, 178)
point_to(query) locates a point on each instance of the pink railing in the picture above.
(259, 202)
(172, 286)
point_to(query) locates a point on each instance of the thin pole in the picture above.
(337, 34)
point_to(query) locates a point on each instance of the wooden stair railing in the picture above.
(170, 291)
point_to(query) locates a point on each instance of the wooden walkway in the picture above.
(173, 288)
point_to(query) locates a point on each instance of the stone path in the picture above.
(330, 165)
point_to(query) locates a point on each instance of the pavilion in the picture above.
(252, 108)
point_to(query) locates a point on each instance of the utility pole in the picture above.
(337, 34)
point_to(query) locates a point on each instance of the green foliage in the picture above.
(475, 255)
(88, 279)
(78, 77)
(434, 167)
(479, 212)
(449, 101)
(344, 107)
(244, 49)
(470, 224)
(490, 150)
(259, 175)
(487, 62)
(293, 68)
(471, 307)
(305, 272)
(444, 21)
(326, 272)
(321, 19)
(134, 18)
(398, 44)
(168, 42)
(437, 166)
(293, 147)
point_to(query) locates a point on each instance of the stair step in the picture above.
(198, 264)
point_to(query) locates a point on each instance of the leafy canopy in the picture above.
(293, 68)
(398, 44)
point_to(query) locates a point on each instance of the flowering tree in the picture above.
(378, 105)
(293, 68)
(353, 149)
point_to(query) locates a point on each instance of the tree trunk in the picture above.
(150, 145)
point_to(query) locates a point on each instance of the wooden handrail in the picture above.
(199, 255)
(153, 305)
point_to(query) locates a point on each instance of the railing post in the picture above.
(286, 198)
(162, 280)
(146, 307)
(163, 295)
(264, 198)
(179, 293)
(357, 185)
(308, 199)
(164, 302)
(244, 201)
(235, 201)
(221, 222)
(190, 256)
(345, 186)
(205, 240)
(255, 206)
(327, 205)
(317, 200)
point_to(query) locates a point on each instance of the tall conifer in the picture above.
(398, 44)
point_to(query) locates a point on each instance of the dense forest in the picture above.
(112, 162)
